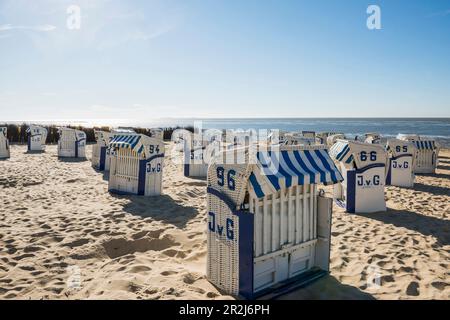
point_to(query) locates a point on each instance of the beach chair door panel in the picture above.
(223, 249)
(324, 215)
(401, 172)
(154, 171)
(369, 190)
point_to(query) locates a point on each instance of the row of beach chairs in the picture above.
(268, 221)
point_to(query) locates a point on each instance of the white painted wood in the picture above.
(125, 167)
(425, 161)
(325, 206)
(305, 215)
(274, 224)
(68, 141)
(298, 216)
(266, 226)
(291, 216)
(4, 143)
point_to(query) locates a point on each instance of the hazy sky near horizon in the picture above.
(143, 59)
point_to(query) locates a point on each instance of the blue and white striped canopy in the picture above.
(340, 151)
(127, 141)
(425, 145)
(283, 169)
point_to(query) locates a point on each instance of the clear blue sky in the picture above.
(223, 58)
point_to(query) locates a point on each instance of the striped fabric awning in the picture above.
(274, 171)
(425, 144)
(340, 151)
(127, 141)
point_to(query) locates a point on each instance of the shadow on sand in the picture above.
(34, 152)
(105, 174)
(162, 208)
(435, 175)
(426, 225)
(436, 190)
(204, 179)
(72, 160)
(327, 288)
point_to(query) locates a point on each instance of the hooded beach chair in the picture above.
(100, 149)
(72, 143)
(426, 156)
(136, 165)
(331, 140)
(401, 162)
(322, 136)
(36, 138)
(157, 133)
(372, 138)
(294, 138)
(268, 225)
(426, 153)
(4, 143)
(363, 167)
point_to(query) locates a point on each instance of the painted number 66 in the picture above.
(373, 156)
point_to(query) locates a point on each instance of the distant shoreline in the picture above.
(433, 128)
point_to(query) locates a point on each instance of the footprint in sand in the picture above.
(24, 256)
(190, 278)
(27, 267)
(168, 273)
(32, 249)
(119, 247)
(76, 243)
(98, 233)
(413, 289)
(440, 285)
(175, 253)
(212, 294)
(140, 269)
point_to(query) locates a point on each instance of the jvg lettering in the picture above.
(219, 229)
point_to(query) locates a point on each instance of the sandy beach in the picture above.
(63, 236)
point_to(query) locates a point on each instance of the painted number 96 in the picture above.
(229, 177)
